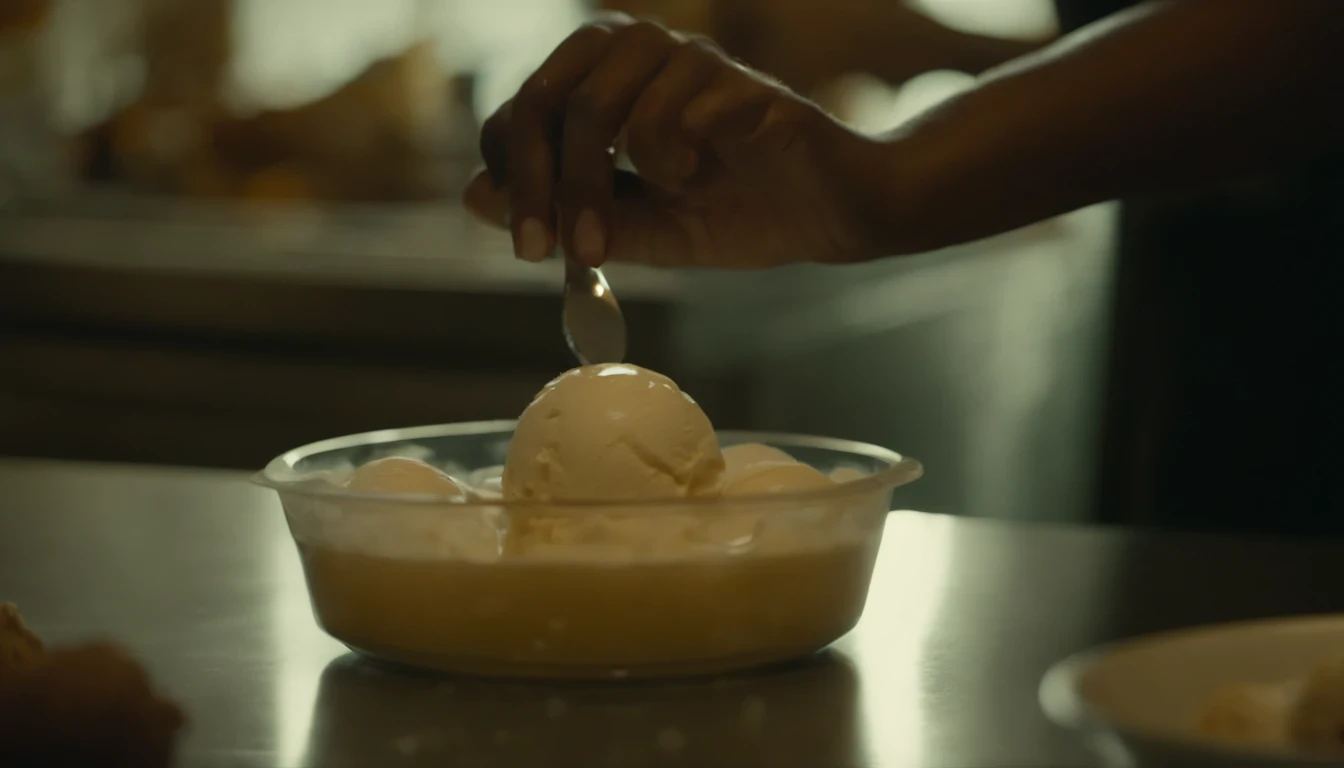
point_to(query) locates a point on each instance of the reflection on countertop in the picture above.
(196, 575)
(802, 714)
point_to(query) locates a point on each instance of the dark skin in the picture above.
(733, 170)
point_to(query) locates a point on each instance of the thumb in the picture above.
(487, 202)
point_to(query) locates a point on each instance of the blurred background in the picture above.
(229, 227)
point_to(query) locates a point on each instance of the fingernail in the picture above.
(533, 243)
(589, 239)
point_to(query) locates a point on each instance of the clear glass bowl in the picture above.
(609, 589)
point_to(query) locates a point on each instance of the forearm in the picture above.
(1173, 94)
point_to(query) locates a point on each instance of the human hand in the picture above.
(732, 169)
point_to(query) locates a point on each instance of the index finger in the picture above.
(596, 112)
(533, 138)
(495, 143)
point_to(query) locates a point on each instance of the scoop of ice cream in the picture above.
(740, 458)
(487, 484)
(414, 528)
(842, 475)
(612, 432)
(1317, 715)
(756, 468)
(776, 477)
(401, 475)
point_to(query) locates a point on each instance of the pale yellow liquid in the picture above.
(590, 619)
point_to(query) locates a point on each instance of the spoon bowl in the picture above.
(592, 320)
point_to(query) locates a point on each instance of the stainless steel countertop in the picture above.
(195, 573)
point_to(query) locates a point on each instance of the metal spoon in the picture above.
(593, 323)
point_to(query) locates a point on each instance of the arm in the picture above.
(1174, 93)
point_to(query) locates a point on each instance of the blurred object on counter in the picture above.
(376, 138)
(161, 140)
(20, 649)
(23, 15)
(32, 155)
(86, 706)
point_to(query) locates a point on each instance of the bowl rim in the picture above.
(1062, 700)
(900, 471)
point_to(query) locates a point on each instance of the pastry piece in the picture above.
(1316, 719)
(20, 649)
(86, 706)
(23, 15)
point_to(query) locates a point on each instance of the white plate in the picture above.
(1135, 702)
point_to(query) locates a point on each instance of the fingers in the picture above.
(644, 230)
(495, 143)
(550, 145)
(594, 115)
(672, 101)
(487, 201)
(657, 145)
(731, 106)
(534, 122)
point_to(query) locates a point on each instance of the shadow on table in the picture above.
(803, 714)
